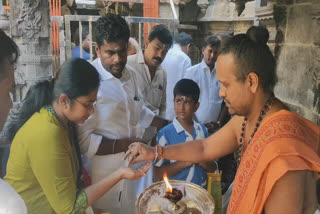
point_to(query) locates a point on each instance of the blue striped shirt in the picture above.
(174, 133)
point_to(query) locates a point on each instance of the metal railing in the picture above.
(65, 30)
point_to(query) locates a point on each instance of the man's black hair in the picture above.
(258, 34)
(212, 41)
(224, 37)
(188, 88)
(183, 39)
(251, 54)
(162, 33)
(111, 28)
(85, 33)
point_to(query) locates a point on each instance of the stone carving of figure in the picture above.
(29, 19)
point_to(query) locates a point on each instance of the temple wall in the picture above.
(298, 48)
(294, 27)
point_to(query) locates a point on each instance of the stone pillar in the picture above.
(30, 28)
(4, 19)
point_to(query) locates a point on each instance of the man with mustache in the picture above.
(151, 78)
(205, 75)
(120, 115)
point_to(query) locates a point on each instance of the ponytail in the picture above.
(38, 96)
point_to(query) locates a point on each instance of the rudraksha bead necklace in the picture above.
(263, 112)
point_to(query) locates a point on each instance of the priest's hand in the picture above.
(138, 152)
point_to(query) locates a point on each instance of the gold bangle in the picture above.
(113, 144)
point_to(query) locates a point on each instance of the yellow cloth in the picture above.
(43, 165)
(284, 142)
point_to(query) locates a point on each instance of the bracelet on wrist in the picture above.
(156, 156)
(159, 150)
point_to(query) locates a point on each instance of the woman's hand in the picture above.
(135, 174)
(138, 152)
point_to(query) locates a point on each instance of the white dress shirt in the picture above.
(175, 64)
(10, 200)
(210, 102)
(153, 91)
(116, 116)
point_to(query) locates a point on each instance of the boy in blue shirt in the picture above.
(183, 128)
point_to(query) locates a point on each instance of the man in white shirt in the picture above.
(151, 78)
(175, 64)
(10, 201)
(120, 115)
(205, 75)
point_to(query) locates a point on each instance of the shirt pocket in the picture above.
(214, 93)
(153, 97)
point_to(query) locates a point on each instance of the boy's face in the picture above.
(185, 107)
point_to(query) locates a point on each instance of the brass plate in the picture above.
(150, 201)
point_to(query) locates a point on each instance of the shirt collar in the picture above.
(125, 77)
(205, 67)
(104, 74)
(176, 46)
(179, 127)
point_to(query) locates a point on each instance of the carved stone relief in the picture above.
(29, 19)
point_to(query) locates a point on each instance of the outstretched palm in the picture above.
(134, 174)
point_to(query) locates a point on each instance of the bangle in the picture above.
(156, 157)
(113, 144)
(159, 152)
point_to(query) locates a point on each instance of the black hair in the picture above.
(224, 37)
(188, 88)
(162, 33)
(76, 78)
(258, 34)
(183, 39)
(252, 55)
(111, 28)
(8, 49)
(212, 41)
(85, 33)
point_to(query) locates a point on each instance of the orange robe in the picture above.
(284, 142)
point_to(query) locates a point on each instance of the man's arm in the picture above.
(186, 64)
(170, 168)
(159, 122)
(287, 195)
(219, 144)
(222, 119)
(114, 146)
(163, 103)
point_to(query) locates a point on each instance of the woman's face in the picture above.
(81, 108)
